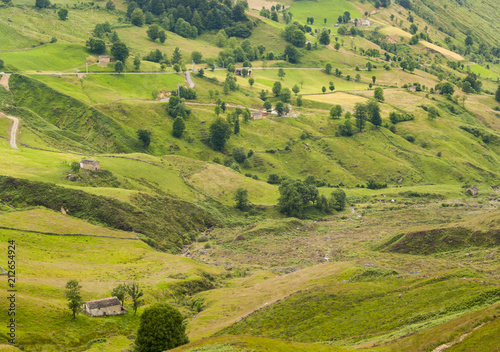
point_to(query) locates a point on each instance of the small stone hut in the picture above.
(104, 60)
(103, 307)
(89, 164)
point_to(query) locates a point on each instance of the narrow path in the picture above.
(4, 81)
(13, 130)
(457, 341)
(68, 234)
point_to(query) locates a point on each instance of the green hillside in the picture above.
(375, 123)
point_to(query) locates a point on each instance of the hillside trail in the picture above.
(445, 346)
(13, 130)
(4, 81)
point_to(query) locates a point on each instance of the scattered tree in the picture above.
(280, 108)
(281, 73)
(328, 68)
(296, 89)
(276, 88)
(324, 38)
(361, 115)
(110, 5)
(119, 67)
(161, 328)
(497, 94)
(135, 291)
(178, 127)
(96, 46)
(162, 36)
(323, 89)
(120, 292)
(374, 111)
(153, 31)
(74, 297)
(220, 131)
(251, 81)
(119, 51)
(379, 94)
(374, 79)
(137, 63)
(267, 105)
(137, 17)
(336, 112)
(63, 14)
(241, 198)
(42, 4)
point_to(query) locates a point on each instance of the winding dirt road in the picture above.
(14, 126)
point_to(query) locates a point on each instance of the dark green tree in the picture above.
(110, 6)
(374, 112)
(241, 198)
(328, 68)
(379, 94)
(96, 46)
(236, 124)
(280, 108)
(291, 54)
(276, 88)
(137, 62)
(42, 4)
(145, 137)
(267, 105)
(251, 81)
(120, 292)
(178, 127)
(296, 89)
(74, 297)
(324, 38)
(361, 115)
(137, 17)
(220, 131)
(153, 31)
(239, 154)
(119, 67)
(134, 290)
(119, 51)
(323, 89)
(338, 199)
(497, 94)
(176, 56)
(469, 41)
(161, 328)
(63, 14)
(336, 112)
(162, 36)
(281, 73)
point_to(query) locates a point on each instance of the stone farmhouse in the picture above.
(103, 307)
(89, 164)
(103, 61)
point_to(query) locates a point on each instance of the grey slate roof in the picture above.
(103, 303)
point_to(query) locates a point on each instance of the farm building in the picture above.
(363, 23)
(104, 307)
(89, 164)
(239, 71)
(104, 60)
(412, 89)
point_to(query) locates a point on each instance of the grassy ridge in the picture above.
(358, 312)
(164, 221)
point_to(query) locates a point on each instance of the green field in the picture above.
(56, 57)
(410, 264)
(319, 10)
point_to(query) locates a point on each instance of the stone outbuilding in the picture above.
(239, 71)
(89, 164)
(104, 307)
(104, 60)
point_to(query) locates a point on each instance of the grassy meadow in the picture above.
(410, 266)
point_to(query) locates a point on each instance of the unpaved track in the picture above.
(13, 130)
(4, 81)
